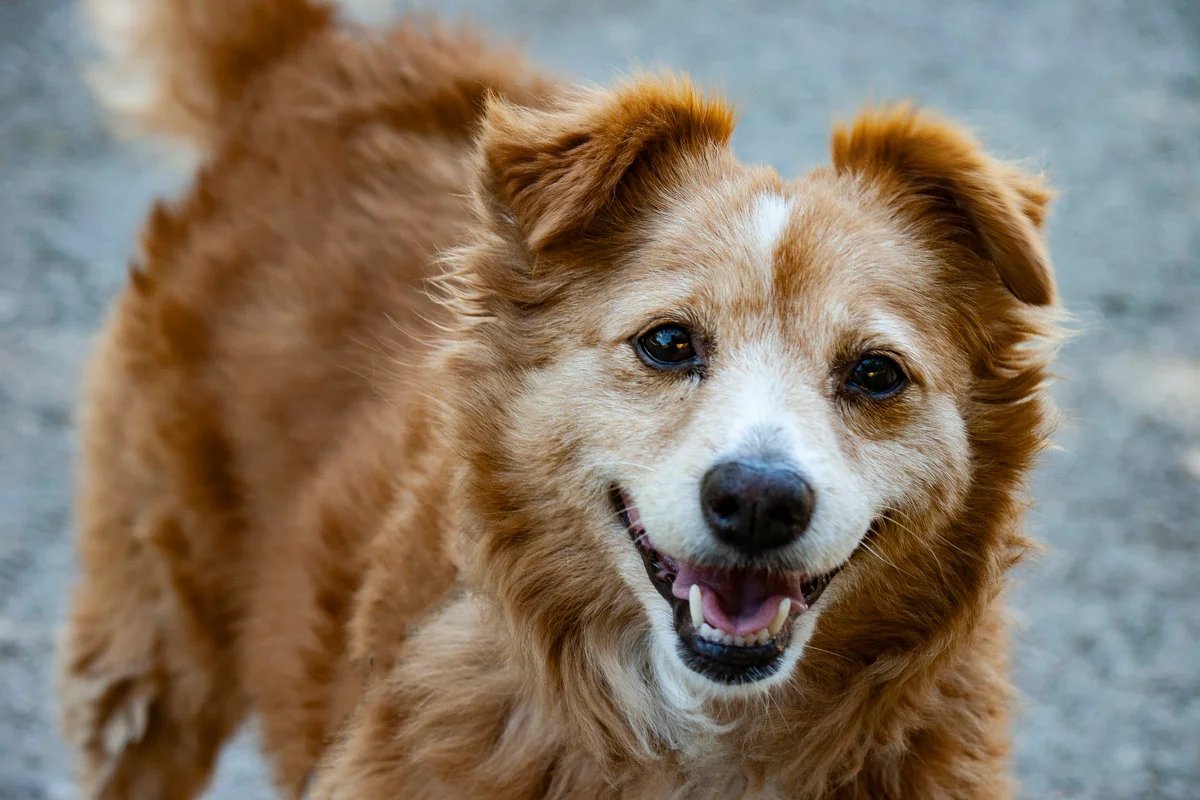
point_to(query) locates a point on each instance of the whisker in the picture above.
(828, 652)
(931, 533)
(625, 464)
(932, 551)
(879, 555)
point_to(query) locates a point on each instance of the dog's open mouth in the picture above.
(733, 624)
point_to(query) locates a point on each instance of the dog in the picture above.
(484, 435)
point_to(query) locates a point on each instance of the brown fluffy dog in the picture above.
(557, 532)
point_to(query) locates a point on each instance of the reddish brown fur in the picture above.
(312, 493)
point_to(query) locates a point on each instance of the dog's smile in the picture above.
(734, 623)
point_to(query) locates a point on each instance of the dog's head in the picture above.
(703, 402)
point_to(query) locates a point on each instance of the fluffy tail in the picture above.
(175, 67)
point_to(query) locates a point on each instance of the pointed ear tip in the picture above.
(497, 113)
(677, 95)
(1025, 267)
(879, 117)
(884, 127)
(1034, 186)
(669, 97)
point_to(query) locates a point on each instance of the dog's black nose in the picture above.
(755, 505)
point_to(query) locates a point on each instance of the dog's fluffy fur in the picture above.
(381, 522)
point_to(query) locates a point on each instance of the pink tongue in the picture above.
(739, 601)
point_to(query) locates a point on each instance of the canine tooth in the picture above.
(785, 606)
(695, 601)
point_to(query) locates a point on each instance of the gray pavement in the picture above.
(1104, 95)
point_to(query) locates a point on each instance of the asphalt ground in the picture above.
(1105, 96)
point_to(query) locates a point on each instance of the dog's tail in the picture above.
(176, 67)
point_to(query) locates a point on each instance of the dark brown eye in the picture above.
(876, 376)
(668, 346)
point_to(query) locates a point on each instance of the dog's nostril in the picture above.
(725, 508)
(755, 506)
(785, 512)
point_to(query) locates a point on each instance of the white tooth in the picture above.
(776, 625)
(740, 641)
(727, 639)
(762, 636)
(695, 601)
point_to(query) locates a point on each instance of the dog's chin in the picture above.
(734, 624)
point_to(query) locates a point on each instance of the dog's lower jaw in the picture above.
(679, 677)
(685, 693)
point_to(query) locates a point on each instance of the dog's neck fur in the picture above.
(783, 744)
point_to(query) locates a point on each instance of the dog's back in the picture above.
(235, 413)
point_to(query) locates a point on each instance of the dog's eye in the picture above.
(877, 376)
(668, 346)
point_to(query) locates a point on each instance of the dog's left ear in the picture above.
(588, 161)
(941, 174)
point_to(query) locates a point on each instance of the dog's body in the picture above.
(384, 524)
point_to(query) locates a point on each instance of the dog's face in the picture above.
(719, 387)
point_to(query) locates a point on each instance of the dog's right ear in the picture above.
(589, 161)
(942, 175)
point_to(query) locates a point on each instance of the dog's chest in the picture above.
(717, 779)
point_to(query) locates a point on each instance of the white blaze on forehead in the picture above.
(769, 217)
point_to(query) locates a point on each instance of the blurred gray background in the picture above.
(1104, 95)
